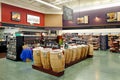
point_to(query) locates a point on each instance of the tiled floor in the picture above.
(103, 66)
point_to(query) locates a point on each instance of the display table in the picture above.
(58, 58)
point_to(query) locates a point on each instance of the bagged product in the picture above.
(37, 57)
(45, 58)
(57, 60)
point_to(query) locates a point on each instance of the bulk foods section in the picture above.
(54, 42)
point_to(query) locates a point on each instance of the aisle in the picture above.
(103, 66)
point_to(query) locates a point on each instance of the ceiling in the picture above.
(76, 5)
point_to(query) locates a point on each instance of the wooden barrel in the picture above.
(45, 58)
(90, 50)
(57, 60)
(37, 57)
(79, 51)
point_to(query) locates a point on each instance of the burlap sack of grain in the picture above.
(73, 52)
(45, 58)
(79, 52)
(57, 60)
(83, 52)
(70, 55)
(86, 51)
(67, 55)
(90, 50)
(37, 57)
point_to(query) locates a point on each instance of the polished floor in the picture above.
(103, 66)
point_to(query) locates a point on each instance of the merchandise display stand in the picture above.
(77, 61)
(115, 47)
(90, 56)
(49, 71)
(54, 62)
(3, 42)
(74, 62)
(96, 42)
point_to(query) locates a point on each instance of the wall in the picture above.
(53, 20)
(6, 15)
(100, 13)
(0, 14)
(0, 11)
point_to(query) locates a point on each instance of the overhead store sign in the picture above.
(33, 19)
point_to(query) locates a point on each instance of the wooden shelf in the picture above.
(115, 46)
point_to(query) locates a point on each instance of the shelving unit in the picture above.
(95, 41)
(2, 41)
(14, 47)
(2, 34)
(115, 47)
(31, 39)
(111, 38)
(15, 44)
(50, 41)
(114, 43)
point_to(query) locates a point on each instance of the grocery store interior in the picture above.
(59, 39)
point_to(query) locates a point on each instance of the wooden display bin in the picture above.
(87, 52)
(49, 71)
